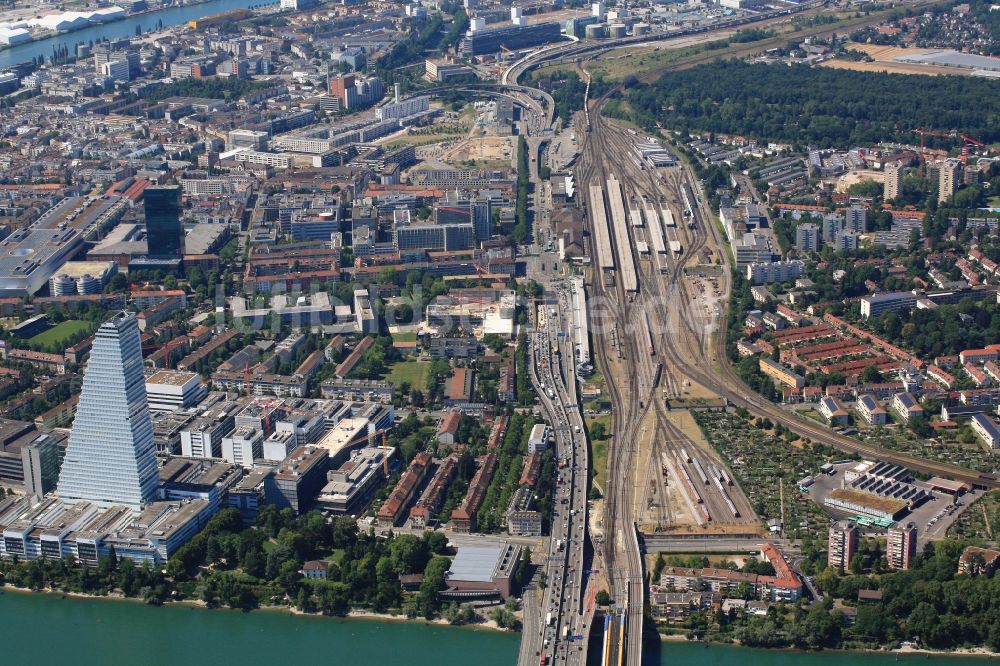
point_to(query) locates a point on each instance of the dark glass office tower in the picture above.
(164, 232)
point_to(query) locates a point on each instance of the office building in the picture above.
(116, 70)
(463, 212)
(299, 478)
(111, 454)
(892, 184)
(901, 546)
(538, 440)
(202, 438)
(949, 175)
(243, 446)
(41, 460)
(168, 390)
(249, 139)
(248, 495)
(164, 233)
(280, 444)
(843, 544)
(352, 486)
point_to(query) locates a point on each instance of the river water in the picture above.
(124, 28)
(48, 629)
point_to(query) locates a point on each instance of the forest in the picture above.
(804, 105)
(929, 604)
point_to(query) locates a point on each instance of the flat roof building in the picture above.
(890, 301)
(168, 390)
(30, 256)
(349, 488)
(489, 570)
(298, 479)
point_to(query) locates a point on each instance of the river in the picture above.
(40, 628)
(124, 28)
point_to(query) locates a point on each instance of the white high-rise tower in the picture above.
(110, 458)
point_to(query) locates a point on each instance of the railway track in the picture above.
(631, 399)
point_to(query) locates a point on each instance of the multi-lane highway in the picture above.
(561, 636)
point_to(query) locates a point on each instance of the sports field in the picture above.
(66, 330)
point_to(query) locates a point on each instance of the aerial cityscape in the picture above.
(611, 330)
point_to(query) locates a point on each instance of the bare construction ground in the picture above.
(885, 62)
(490, 150)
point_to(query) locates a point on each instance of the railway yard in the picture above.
(657, 291)
(646, 312)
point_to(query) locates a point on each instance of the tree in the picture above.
(432, 583)
(409, 554)
(603, 598)
(871, 375)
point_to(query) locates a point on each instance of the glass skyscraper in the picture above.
(164, 233)
(111, 454)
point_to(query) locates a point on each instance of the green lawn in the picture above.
(336, 556)
(599, 450)
(404, 337)
(416, 373)
(62, 331)
(814, 415)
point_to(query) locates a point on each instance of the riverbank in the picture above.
(906, 649)
(122, 28)
(52, 34)
(355, 614)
